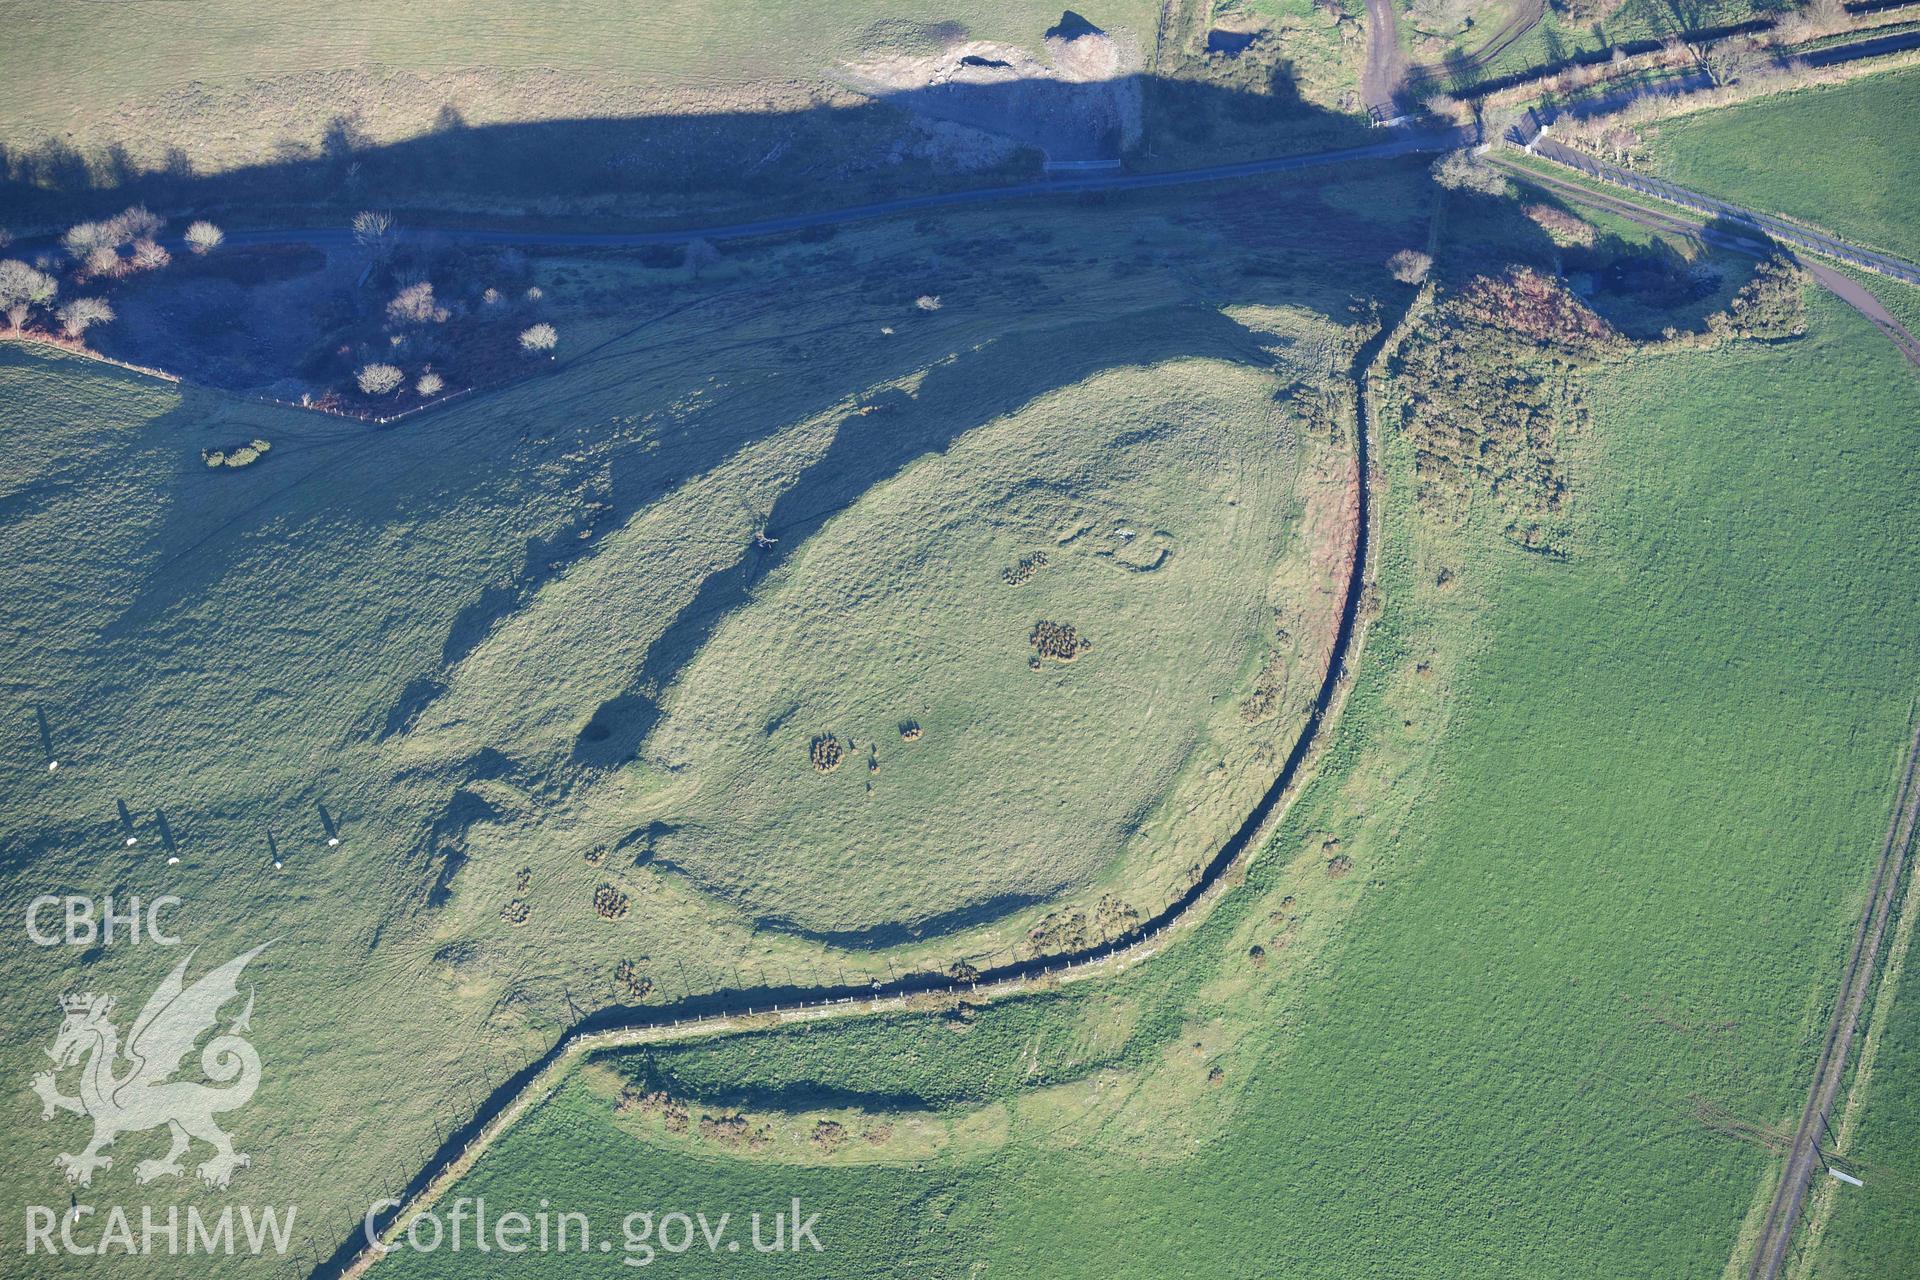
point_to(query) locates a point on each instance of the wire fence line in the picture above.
(1765, 224)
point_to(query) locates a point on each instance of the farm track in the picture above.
(1386, 66)
(1528, 14)
(1856, 982)
(735, 1012)
(1391, 86)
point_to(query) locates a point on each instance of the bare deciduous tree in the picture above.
(136, 223)
(1727, 62)
(103, 260)
(373, 230)
(539, 337)
(379, 379)
(203, 237)
(1463, 171)
(430, 384)
(415, 305)
(22, 288)
(150, 255)
(1410, 266)
(83, 238)
(1814, 19)
(82, 314)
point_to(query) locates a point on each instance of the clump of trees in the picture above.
(109, 249)
(128, 241)
(1464, 171)
(22, 288)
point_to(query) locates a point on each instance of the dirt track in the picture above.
(1856, 982)
(1386, 65)
(1390, 85)
(1527, 15)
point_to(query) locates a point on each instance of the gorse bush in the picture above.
(239, 456)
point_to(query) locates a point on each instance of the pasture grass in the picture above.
(1157, 512)
(1610, 821)
(1839, 157)
(397, 636)
(236, 86)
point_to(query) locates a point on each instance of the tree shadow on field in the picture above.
(701, 167)
(524, 455)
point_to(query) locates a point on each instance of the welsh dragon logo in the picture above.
(131, 1089)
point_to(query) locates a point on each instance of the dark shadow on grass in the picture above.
(1280, 244)
(695, 168)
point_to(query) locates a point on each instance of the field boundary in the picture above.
(1856, 981)
(1765, 224)
(1859, 1093)
(519, 1095)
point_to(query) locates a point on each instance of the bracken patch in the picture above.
(1057, 641)
(826, 753)
(609, 903)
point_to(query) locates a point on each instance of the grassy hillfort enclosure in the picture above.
(1025, 630)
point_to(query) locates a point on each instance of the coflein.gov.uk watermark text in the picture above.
(467, 1225)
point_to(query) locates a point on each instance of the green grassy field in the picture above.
(1868, 1231)
(241, 87)
(1610, 821)
(1832, 156)
(403, 636)
(1566, 31)
(1029, 774)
